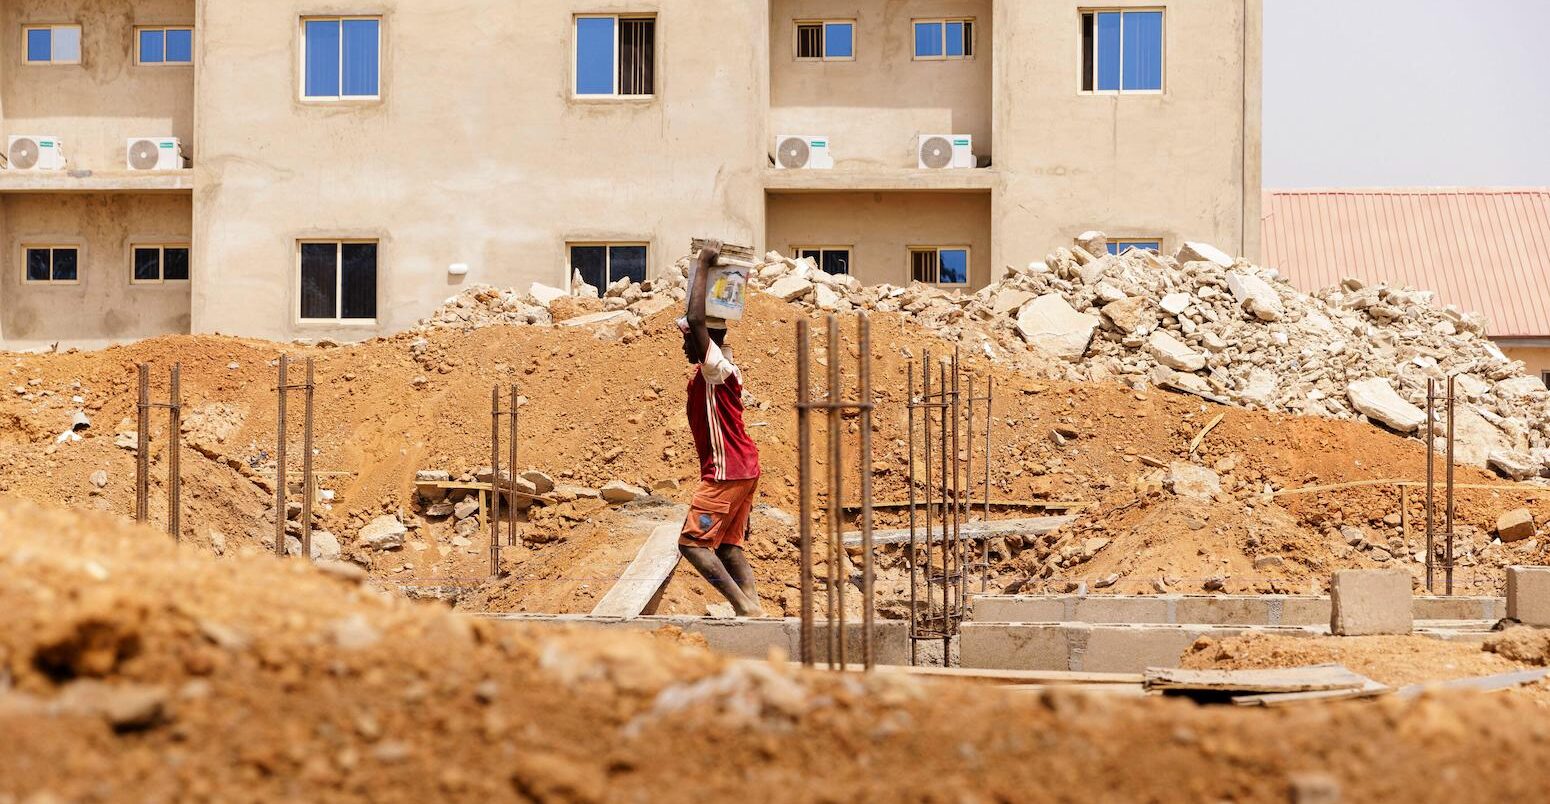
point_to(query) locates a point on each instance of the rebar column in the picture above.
(1431, 484)
(143, 445)
(914, 554)
(990, 396)
(1449, 491)
(511, 446)
(868, 572)
(948, 411)
(279, 464)
(308, 482)
(837, 555)
(804, 491)
(174, 448)
(495, 482)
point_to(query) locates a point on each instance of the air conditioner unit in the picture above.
(800, 152)
(35, 153)
(155, 153)
(942, 151)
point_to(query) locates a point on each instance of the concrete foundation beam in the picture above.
(1528, 595)
(1082, 647)
(752, 639)
(1366, 602)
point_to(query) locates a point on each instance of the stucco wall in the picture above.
(1171, 165)
(880, 228)
(97, 105)
(1536, 359)
(875, 108)
(477, 154)
(103, 307)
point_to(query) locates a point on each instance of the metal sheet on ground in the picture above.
(1312, 678)
(653, 565)
(1492, 683)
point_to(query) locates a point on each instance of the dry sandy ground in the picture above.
(133, 670)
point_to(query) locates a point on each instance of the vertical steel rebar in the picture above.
(143, 445)
(174, 448)
(838, 557)
(960, 501)
(949, 412)
(495, 477)
(308, 480)
(990, 396)
(968, 454)
(511, 502)
(927, 440)
(1431, 484)
(868, 571)
(1449, 491)
(804, 491)
(914, 554)
(280, 478)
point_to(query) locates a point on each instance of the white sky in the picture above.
(1387, 93)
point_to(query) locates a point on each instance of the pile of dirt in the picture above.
(1520, 644)
(136, 670)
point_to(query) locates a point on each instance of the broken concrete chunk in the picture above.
(1049, 323)
(1515, 525)
(1376, 399)
(790, 288)
(606, 317)
(1196, 482)
(1164, 377)
(1255, 296)
(1093, 242)
(619, 492)
(545, 295)
(466, 508)
(1008, 300)
(325, 546)
(1513, 464)
(824, 298)
(99, 479)
(1176, 303)
(432, 476)
(1172, 353)
(383, 533)
(1132, 316)
(542, 483)
(1203, 252)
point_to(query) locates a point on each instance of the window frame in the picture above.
(1133, 242)
(1122, 11)
(1545, 375)
(161, 247)
(615, 96)
(972, 40)
(51, 246)
(301, 78)
(338, 244)
(968, 263)
(823, 42)
(140, 62)
(608, 259)
(850, 258)
(80, 34)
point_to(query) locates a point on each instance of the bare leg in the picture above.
(736, 562)
(709, 565)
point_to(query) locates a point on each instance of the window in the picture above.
(339, 281)
(164, 45)
(940, 266)
(602, 264)
(826, 41)
(156, 264)
(52, 44)
(1545, 375)
(341, 58)
(616, 56)
(936, 40)
(1122, 246)
(832, 259)
(1122, 51)
(52, 264)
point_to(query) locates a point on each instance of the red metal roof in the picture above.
(1483, 249)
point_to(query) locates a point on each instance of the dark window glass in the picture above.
(1087, 53)
(358, 266)
(923, 266)
(319, 280)
(64, 265)
(627, 262)
(147, 264)
(836, 261)
(637, 56)
(592, 262)
(38, 265)
(968, 39)
(953, 266)
(174, 264)
(809, 41)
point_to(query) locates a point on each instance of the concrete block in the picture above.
(1121, 649)
(1014, 646)
(1456, 608)
(1367, 602)
(1305, 611)
(1018, 609)
(1120, 610)
(1207, 610)
(1528, 595)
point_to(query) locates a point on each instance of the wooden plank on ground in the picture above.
(971, 531)
(1492, 683)
(1194, 444)
(1032, 677)
(653, 565)
(1275, 680)
(1371, 689)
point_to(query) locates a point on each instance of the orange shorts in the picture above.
(719, 513)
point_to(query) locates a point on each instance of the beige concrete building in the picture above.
(349, 164)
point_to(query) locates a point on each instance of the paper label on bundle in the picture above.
(727, 292)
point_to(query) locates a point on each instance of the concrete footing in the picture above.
(1528, 595)
(1247, 610)
(751, 639)
(1368, 602)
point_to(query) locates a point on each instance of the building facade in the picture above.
(347, 165)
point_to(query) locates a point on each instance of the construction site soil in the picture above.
(136, 670)
(596, 409)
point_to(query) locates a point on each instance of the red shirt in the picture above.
(715, 409)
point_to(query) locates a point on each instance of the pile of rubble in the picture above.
(1198, 322)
